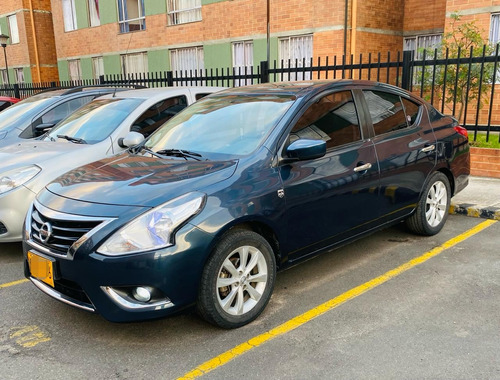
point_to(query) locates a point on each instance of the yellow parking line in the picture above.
(293, 323)
(13, 283)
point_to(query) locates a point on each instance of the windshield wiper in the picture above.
(136, 150)
(72, 139)
(180, 153)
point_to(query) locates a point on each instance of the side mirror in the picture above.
(131, 139)
(304, 149)
(40, 129)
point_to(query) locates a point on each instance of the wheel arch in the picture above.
(447, 172)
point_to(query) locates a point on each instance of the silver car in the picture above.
(101, 128)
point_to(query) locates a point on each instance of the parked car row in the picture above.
(135, 214)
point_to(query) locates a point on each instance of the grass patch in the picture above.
(481, 140)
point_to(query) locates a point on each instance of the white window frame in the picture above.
(242, 54)
(97, 67)
(69, 15)
(94, 16)
(19, 75)
(124, 19)
(74, 69)
(183, 11)
(287, 47)
(13, 29)
(134, 63)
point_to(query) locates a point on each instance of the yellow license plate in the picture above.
(41, 268)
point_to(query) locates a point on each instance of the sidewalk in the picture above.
(480, 199)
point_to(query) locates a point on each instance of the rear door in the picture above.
(329, 198)
(405, 146)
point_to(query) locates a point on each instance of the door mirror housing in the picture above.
(305, 149)
(40, 129)
(131, 139)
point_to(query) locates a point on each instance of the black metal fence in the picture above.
(461, 83)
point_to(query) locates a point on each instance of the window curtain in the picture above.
(69, 15)
(75, 71)
(296, 49)
(134, 63)
(242, 58)
(95, 19)
(97, 67)
(19, 75)
(187, 59)
(14, 31)
(184, 11)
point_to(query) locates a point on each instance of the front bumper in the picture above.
(13, 208)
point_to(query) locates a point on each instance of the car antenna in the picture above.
(126, 52)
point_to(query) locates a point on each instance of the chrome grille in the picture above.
(63, 232)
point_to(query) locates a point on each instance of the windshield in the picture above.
(95, 121)
(19, 114)
(231, 124)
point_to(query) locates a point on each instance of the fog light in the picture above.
(142, 294)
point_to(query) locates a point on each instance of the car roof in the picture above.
(147, 93)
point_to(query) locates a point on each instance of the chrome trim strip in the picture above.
(52, 214)
(128, 305)
(61, 297)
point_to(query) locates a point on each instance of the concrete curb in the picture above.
(475, 211)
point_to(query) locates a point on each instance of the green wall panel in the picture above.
(112, 64)
(217, 56)
(82, 19)
(63, 70)
(27, 75)
(108, 10)
(260, 51)
(158, 61)
(205, 2)
(86, 66)
(155, 7)
(4, 27)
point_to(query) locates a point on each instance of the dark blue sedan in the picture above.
(237, 186)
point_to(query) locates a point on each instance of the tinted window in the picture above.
(333, 119)
(4, 104)
(158, 114)
(58, 113)
(411, 110)
(386, 111)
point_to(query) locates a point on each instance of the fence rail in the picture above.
(462, 85)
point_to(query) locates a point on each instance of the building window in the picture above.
(183, 11)
(69, 15)
(75, 70)
(97, 67)
(242, 61)
(19, 73)
(295, 52)
(134, 63)
(418, 44)
(14, 31)
(94, 18)
(187, 59)
(5, 80)
(495, 29)
(131, 15)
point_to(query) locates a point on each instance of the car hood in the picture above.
(128, 179)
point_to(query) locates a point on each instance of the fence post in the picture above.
(170, 79)
(101, 79)
(264, 72)
(406, 70)
(17, 94)
(53, 84)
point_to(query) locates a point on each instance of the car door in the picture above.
(329, 198)
(405, 146)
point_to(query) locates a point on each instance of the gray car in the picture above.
(101, 128)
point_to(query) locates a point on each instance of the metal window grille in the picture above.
(293, 52)
(131, 15)
(183, 11)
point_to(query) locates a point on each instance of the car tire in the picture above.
(433, 207)
(228, 297)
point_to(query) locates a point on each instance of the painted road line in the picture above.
(13, 283)
(298, 321)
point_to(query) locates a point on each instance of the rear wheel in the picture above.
(238, 280)
(433, 207)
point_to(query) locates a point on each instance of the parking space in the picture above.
(435, 319)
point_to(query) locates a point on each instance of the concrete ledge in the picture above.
(475, 211)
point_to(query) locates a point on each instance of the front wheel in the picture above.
(432, 208)
(238, 280)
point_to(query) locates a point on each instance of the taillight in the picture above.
(461, 130)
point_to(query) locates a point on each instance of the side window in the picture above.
(411, 111)
(386, 111)
(156, 115)
(332, 118)
(58, 113)
(4, 105)
(201, 95)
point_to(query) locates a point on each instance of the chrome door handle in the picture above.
(362, 168)
(429, 148)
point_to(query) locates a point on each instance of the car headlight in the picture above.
(17, 177)
(155, 228)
